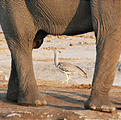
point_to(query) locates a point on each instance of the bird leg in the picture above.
(67, 77)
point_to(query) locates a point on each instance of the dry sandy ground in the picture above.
(65, 101)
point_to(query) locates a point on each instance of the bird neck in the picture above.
(55, 58)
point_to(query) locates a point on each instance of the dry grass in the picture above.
(84, 43)
(60, 59)
(52, 48)
(3, 48)
(84, 36)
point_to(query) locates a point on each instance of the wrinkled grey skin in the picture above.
(26, 22)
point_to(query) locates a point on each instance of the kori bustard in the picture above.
(67, 68)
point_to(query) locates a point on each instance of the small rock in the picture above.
(51, 115)
(84, 43)
(22, 112)
(119, 115)
(48, 115)
(45, 113)
(16, 113)
(80, 117)
(6, 77)
(71, 44)
(11, 115)
(48, 40)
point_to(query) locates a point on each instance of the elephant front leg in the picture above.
(19, 30)
(108, 52)
(23, 87)
(28, 93)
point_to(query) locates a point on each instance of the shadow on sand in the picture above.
(3, 94)
(65, 97)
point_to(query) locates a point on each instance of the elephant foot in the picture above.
(101, 104)
(40, 101)
(103, 108)
(35, 103)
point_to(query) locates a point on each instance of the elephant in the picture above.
(26, 23)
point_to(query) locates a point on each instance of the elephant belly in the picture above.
(62, 16)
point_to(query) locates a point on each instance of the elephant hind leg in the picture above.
(27, 90)
(99, 103)
(38, 40)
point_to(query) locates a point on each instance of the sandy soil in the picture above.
(65, 101)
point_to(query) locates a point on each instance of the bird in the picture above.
(67, 68)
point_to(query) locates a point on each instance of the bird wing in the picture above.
(65, 67)
(71, 68)
(85, 74)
